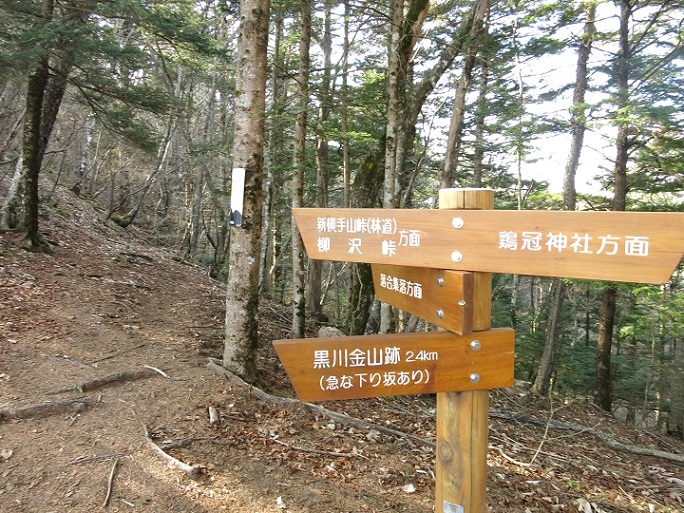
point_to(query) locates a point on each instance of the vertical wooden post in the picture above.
(462, 417)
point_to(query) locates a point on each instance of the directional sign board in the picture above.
(441, 297)
(642, 247)
(327, 369)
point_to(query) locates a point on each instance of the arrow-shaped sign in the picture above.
(642, 247)
(327, 369)
(444, 298)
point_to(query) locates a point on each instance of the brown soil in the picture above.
(108, 303)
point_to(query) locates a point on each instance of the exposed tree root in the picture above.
(47, 408)
(215, 366)
(110, 379)
(194, 472)
(605, 438)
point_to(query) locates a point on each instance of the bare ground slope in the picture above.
(85, 332)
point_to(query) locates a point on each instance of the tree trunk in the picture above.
(547, 365)
(480, 116)
(298, 257)
(477, 32)
(43, 100)
(278, 92)
(396, 69)
(607, 313)
(366, 191)
(417, 96)
(603, 397)
(8, 211)
(403, 35)
(675, 422)
(314, 281)
(32, 143)
(344, 111)
(128, 219)
(242, 288)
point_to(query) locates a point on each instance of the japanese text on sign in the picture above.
(375, 379)
(401, 285)
(609, 245)
(396, 238)
(349, 360)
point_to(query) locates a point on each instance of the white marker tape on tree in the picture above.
(237, 195)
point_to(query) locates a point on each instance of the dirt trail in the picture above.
(107, 303)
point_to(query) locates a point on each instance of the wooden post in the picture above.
(462, 417)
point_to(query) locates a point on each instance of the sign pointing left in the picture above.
(328, 369)
(441, 297)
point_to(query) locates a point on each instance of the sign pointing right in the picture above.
(643, 247)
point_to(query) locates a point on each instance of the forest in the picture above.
(138, 107)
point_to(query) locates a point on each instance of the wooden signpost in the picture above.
(324, 369)
(441, 297)
(642, 247)
(437, 264)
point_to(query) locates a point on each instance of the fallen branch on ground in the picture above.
(95, 459)
(314, 451)
(130, 283)
(136, 255)
(216, 367)
(604, 437)
(46, 408)
(119, 353)
(194, 472)
(110, 484)
(111, 379)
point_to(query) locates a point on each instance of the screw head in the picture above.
(474, 378)
(457, 222)
(440, 313)
(440, 281)
(475, 345)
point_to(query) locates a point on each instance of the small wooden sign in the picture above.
(444, 298)
(642, 247)
(328, 369)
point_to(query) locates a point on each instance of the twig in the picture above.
(164, 374)
(605, 438)
(137, 255)
(158, 371)
(315, 451)
(544, 437)
(507, 439)
(130, 283)
(118, 353)
(110, 484)
(194, 472)
(94, 459)
(507, 457)
(178, 443)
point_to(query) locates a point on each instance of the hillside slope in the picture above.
(103, 371)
